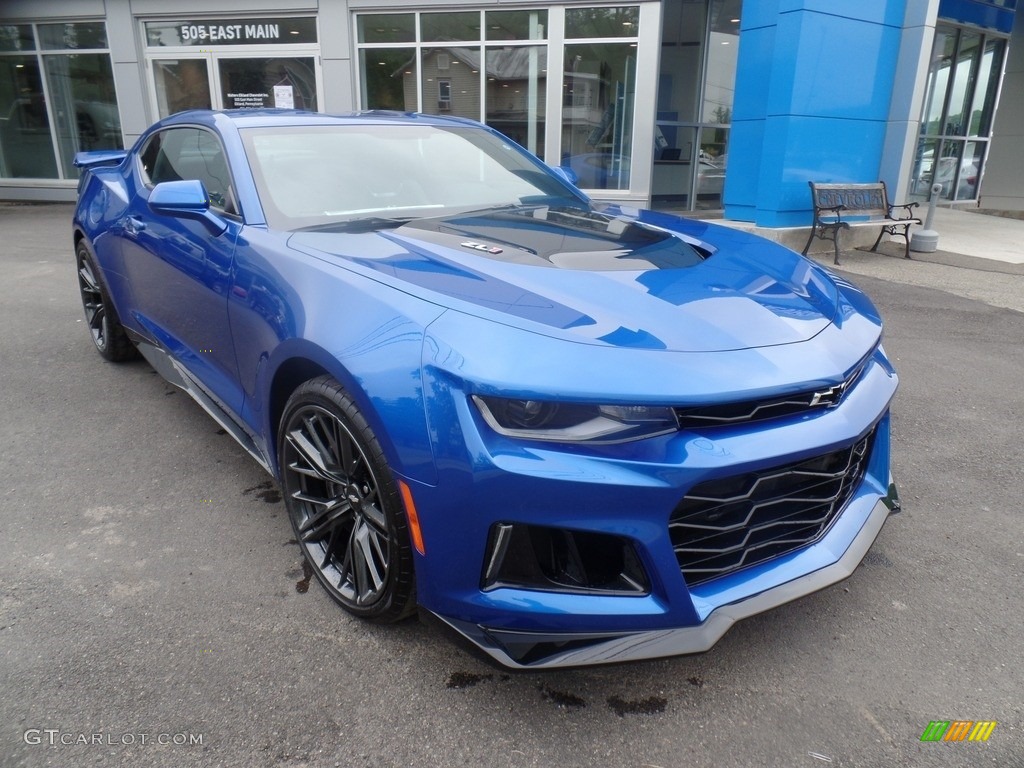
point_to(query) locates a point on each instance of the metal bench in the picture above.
(842, 206)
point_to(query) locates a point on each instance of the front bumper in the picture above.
(544, 650)
(635, 493)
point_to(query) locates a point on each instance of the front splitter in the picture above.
(545, 650)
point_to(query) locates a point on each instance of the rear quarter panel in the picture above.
(102, 203)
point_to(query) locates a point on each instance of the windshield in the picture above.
(317, 176)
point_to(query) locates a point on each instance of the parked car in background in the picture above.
(573, 433)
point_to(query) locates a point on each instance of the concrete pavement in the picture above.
(150, 586)
(980, 235)
(964, 235)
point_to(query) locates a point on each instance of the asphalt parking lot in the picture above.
(154, 612)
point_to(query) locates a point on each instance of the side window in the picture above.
(190, 153)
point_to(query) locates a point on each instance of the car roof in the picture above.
(264, 118)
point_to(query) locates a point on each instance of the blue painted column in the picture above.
(813, 88)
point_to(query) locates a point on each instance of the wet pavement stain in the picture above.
(459, 680)
(650, 706)
(265, 491)
(302, 585)
(697, 681)
(875, 557)
(563, 699)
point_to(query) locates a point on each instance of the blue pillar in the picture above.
(813, 87)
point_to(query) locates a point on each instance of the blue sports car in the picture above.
(572, 433)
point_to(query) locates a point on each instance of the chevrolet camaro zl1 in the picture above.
(573, 433)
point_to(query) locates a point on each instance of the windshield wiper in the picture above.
(361, 224)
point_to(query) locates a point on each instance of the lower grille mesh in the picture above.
(730, 523)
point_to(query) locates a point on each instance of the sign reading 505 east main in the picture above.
(231, 31)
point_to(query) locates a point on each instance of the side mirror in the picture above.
(565, 173)
(186, 200)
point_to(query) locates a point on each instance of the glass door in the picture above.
(180, 84)
(255, 62)
(232, 82)
(259, 82)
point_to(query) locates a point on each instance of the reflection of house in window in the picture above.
(444, 95)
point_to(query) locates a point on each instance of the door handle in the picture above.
(133, 226)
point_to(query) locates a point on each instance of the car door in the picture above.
(179, 269)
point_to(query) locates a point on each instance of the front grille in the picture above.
(730, 523)
(746, 411)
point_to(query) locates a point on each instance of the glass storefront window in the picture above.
(924, 164)
(17, 37)
(84, 105)
(712, 159)
(938, 80)
(457, 71)
(984, 102)
(492, 65)
(957, 117)
(963, 80)
(516, 94)
(447, 27)
(623, 21)
(41, 129)
(483, 71)
(387, 28)
(723, 52)
(696, 85)
(516, 25)
(73, 36)
(970, 170)
(597, 113)
(947, 168)
(26, 146)
(672, 180)
(388, 78)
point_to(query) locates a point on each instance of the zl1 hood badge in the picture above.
(481, 247)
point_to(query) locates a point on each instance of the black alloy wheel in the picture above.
(343, 503)
(107, 333)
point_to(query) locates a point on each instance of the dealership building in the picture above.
(683, 105)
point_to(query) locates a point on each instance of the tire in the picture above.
(344, 505)
(107, 332)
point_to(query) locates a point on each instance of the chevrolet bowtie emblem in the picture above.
(829, 397)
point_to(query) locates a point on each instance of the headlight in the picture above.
(574, 422)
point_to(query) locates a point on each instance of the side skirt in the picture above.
(178, 375)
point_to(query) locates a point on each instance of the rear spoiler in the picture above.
(95, 159)
(100, 157)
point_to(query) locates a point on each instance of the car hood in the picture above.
(598, 277)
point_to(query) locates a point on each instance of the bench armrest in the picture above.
(835, 209)
(907, 208)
